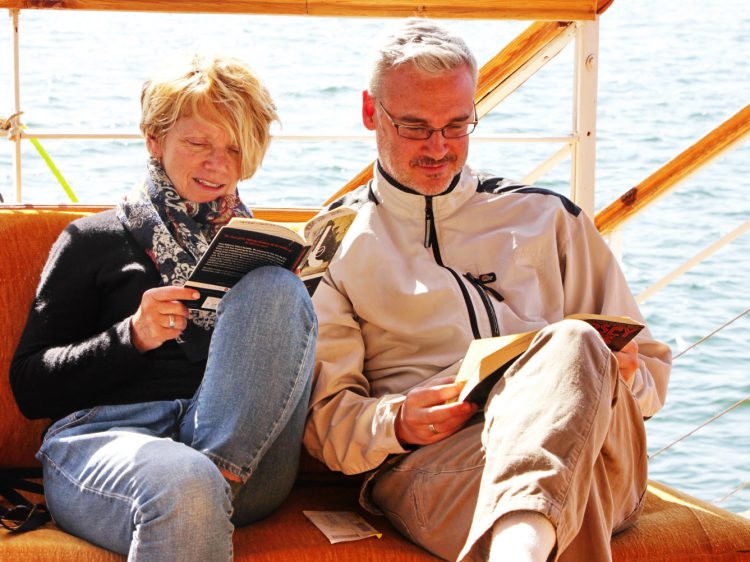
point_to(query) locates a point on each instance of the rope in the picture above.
(717, 416)
(720, 414)
(14, 127)
(10, 123)
(704, 338)
(737, 489)
(54, 169)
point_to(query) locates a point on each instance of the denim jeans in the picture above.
(144, 479)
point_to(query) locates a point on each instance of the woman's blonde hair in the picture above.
(226, 89)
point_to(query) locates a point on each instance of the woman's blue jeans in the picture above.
(144, 479)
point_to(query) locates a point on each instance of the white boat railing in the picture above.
(579, 143)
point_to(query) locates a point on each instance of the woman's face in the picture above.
(199, 157)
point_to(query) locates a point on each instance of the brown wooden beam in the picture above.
(276, 214)
(287, 7)
(477, 9)
(723, 137)
(467, 9)
(515, 56)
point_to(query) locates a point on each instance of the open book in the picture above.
(244, 244)
(487, 359)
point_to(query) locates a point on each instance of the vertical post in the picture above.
(583, 157)
(15, 131)
(615, 243)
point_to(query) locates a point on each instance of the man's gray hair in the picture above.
(428, 46)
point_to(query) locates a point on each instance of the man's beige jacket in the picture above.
(418, 278)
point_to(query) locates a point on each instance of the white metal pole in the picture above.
(547, 165)
(15, 128)
(583, 158)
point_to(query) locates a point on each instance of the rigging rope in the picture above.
(14, 127)
(737, 489)
(717, 416)
(705, 423)
(704, 338)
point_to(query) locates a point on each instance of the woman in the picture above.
(170, 424)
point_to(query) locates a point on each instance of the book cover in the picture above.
(245, 244)
(487, 359)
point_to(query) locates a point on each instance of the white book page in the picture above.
(341, 526)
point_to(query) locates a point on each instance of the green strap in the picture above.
(53, 169)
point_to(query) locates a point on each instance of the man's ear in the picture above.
(368, 110)
(153, 146)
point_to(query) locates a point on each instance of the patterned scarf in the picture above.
(175, 232)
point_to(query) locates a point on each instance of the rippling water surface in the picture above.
(669, 72)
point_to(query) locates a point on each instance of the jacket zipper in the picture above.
(430, 240)
(484, 292)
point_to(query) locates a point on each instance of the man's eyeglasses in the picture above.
(419, 132)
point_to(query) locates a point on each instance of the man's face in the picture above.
(415, 98)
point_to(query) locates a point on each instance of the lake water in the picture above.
(669, 72)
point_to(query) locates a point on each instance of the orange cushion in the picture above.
(673, 528)
(26, 236)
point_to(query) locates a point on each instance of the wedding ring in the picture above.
(433, 429)
(171, 321)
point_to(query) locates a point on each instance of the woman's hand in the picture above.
(160, 317)
(425, 418)
(627, 360)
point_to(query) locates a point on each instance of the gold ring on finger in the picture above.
(171, 321)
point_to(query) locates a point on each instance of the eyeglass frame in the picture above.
(430, 130)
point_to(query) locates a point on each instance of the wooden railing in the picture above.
(557, 10)
(715, 143)
(275, 214)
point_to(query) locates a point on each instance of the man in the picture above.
(438, 256)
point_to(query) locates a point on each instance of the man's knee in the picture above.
(577, 333)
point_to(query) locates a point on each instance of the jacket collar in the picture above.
(404, 201)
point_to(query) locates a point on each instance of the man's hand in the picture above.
(627, 360)
(425, 418)
(160, 317)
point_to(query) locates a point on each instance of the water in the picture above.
(669, 72)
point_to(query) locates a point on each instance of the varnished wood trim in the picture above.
(476, 9)
(360, 179)
(603, 6)
(516, 55)
(479, 9)
(726, 135)
(276, 214)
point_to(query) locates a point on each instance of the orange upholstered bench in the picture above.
(674, 527)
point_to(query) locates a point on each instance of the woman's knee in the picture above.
(189, 488)
(267, 281)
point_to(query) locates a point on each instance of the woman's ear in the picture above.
(368, 110)
(153, 146)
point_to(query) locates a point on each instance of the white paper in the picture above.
(341, 526)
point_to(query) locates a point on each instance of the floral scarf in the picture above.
(175, 232)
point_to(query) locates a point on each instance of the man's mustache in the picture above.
(426, 161)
